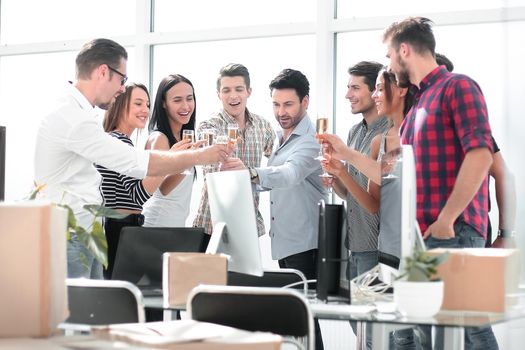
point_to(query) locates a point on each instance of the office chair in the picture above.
(277, 278)
(100, 302)
(277, 310)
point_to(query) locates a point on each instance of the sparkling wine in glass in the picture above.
(188, 135)
(322, 125)
(207, 135)
(322, 128)
(233, 134)
(221, 140)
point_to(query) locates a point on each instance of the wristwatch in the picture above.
(505, 233)
(253, 173)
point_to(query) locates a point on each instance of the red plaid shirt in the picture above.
(448, 119)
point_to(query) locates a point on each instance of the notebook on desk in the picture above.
(140, 249)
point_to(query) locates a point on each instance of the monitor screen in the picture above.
(399, 230)
(233, 217)
(140, 249)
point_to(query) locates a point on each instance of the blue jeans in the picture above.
(359, 263)
(80, 262)
(475, 337)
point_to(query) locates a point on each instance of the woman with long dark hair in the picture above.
(174, 111)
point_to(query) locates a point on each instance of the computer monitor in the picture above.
(140, 249)
(233, 217)
(332, 254)
(399, 230)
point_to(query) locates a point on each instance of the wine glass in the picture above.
(190, 136)
(221, 140)
(233, 134)
(208, 136)
(322, 128)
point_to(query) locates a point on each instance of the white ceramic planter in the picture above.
(418, 299)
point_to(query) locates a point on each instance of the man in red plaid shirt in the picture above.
(449, 130)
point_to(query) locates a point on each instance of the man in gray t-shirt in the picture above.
(363, 227)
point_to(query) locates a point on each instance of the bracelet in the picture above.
(506, 233)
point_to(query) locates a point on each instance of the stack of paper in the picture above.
(188, 334)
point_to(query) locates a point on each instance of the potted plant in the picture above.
(92, 237)
(417, 292)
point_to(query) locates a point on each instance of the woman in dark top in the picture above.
(129, 112)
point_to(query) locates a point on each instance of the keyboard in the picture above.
(151, 291)
(341, 309)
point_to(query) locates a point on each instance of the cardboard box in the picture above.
(34, 268)
(181, 272)
(479, 279)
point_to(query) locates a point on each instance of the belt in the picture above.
(134, 219)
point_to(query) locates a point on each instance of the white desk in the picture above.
(454, 322)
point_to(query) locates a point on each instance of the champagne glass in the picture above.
(190, 136)
(322, 128)
(221, 140)
(233, 134)
(208, 136)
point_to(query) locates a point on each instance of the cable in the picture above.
(366, 286)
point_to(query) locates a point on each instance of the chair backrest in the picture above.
(289, 278)
(140, 249)
(277, 310)
(100, 302)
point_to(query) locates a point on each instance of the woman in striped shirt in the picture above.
(129, 112)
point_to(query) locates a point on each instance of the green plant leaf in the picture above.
(71, 219)
(99, 244)
(421, 266)
(82, 235)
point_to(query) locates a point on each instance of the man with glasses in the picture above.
(70, 139)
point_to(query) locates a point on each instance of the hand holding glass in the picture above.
(322, 128)
(221, 140)
(189, 136)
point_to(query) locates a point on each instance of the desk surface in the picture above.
(443, 318)
(448, 318)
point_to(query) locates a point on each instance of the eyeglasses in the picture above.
(124, 76)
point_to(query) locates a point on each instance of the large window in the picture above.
(57, 20)
(352, 9)
(208, 14)
(39, 40)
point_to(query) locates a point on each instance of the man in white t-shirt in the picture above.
(70, 139)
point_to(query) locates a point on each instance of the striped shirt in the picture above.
(448, 119)
(120, 191)
(255, 140)
(363, 227)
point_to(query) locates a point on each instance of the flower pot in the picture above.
(418, 299)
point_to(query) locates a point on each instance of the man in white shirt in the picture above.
(70, 139)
